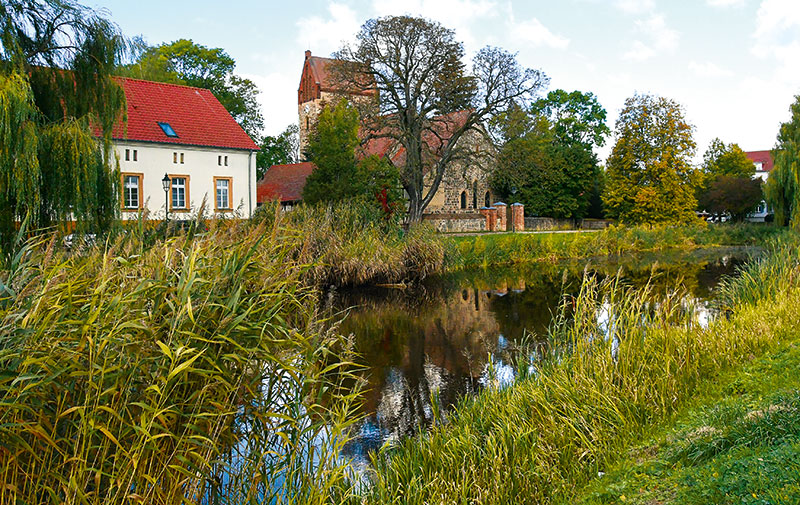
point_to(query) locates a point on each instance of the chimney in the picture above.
(308, 54)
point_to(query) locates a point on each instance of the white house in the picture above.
(182, 139)
(762, 160)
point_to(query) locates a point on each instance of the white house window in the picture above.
(135, 155)
(174, 157)
(219, 160)
(759, 166)
(180, 185)
(181, 158)
(127, 154)
(226, 161)
(131, 191)
(223, 186)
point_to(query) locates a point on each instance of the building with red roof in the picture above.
(284, 183)
(464, 188)
(763, 162)
(180, 149)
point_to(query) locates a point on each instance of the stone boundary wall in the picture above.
(550, 223)
(450, 223)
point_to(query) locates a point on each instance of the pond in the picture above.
(438, 341)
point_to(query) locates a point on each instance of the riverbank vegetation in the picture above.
(618, 366)
(485, 250)
(181, 370)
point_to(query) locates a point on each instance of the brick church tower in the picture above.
(317, 89)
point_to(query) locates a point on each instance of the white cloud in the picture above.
(461, 15)
(726, 3)
(635, 6)
(535, 33)
(325, 35)
(660, 38)
(275, 99)
(655, 27)
(709, 69)
(447, 12)
(639, 52)
(777, 27)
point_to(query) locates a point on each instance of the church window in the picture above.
(488, 200)
(463, 199)
(475, 194)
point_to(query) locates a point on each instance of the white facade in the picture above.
(224, 177)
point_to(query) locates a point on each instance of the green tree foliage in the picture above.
(547, 160)
(577, 118)
(721, 159)
(781, 189)
(56, 91)
(191, 64)
(339, 174)
(727, 184)
(278, 150)
(730, 194)
(649, 176)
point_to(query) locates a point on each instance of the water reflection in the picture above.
(427, 347)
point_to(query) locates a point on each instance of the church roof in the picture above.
(317, 74)
(175, 114)
(284, 182)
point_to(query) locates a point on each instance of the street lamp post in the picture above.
(165, 184)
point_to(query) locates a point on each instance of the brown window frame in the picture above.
(139, 176)
(230, 194)
(186, 199)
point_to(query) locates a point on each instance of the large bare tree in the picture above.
(427, 99)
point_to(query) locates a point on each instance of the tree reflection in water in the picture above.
(438, 341)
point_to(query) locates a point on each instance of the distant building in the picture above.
(186, 134)
(763, 162)
(284, 183)
(463, 189)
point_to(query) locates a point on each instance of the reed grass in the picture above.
(353, 244)
(189, 370)
(482, 251)
(618, 366)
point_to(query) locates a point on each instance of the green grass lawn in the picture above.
(739, 444)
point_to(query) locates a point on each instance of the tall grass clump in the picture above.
(775, 271)
(189, 370)
(481, 251)
(354, 243)
(618, 365)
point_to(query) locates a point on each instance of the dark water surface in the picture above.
(441, 339)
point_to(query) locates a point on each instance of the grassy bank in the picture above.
(739, 444)
(610, 380)
(171, 371)
(481, 251)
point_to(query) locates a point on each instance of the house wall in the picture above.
(200, 166)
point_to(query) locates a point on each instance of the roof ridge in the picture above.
(162, 83)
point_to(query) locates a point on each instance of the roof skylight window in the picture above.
(168, 131)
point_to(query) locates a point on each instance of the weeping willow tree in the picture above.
(57, 97)
(781, 189)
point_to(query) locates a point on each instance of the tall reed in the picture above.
(189, 370)
(352, 243)
(621, 365)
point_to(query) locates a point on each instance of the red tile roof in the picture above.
(764, 157)
(284, 182)
(194, 113)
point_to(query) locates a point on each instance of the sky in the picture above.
(732, 64)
